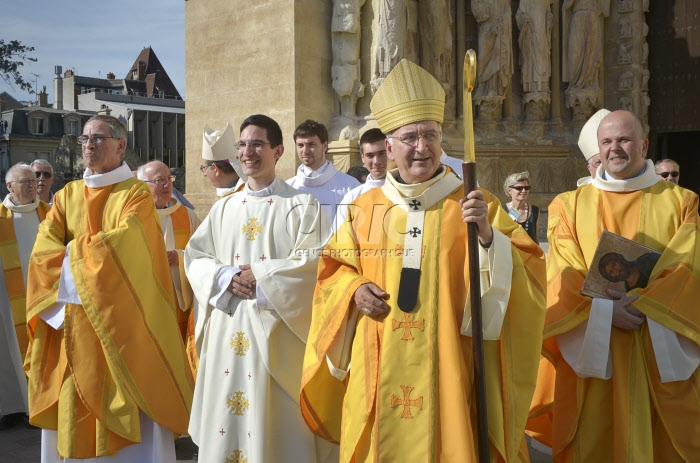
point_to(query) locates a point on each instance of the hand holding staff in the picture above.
(470, 184)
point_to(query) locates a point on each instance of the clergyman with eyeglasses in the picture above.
(20, 215)
(44, 178)
(108, 373)
(388, 364)
(178, 223)
(252, 265)
(220, 164)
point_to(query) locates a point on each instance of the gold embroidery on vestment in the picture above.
(240, 343)
(252, 228)
(236, 457)
(406, 402)
(407, 324)
(237, 403)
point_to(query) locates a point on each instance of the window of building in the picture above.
(73, 127)
(39, 125)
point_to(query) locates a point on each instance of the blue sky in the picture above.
(94, 38)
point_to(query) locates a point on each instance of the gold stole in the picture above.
(185, 318)
(12, 268)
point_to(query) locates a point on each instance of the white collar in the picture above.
(314, 173)
(603, 180)
(267, 191)
(169, 208)
(20, 207)
(324, 174)
(371, 182)
(112, 177)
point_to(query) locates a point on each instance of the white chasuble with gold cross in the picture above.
(246, 400)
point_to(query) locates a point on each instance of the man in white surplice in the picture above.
(316, 174)
(20, 214)
(254, 259)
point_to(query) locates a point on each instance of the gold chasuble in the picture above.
(12, 268)
(120, 351)
(400, 388)
(633, 415)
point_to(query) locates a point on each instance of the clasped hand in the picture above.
(243, 283)
(625, 315)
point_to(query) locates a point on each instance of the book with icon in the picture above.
(619, 264)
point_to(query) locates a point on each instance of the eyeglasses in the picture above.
(673, 174)
(254, 145)
(521, 188)
(26, 181)
(595, 164)
(431, 137)
(45, 173)
(160, 181)
(96, 139)
(203, 168)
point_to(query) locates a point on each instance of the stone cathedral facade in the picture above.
(543, 67)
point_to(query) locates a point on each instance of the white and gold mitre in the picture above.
(218, 145)
(588, 140)
(408, 94)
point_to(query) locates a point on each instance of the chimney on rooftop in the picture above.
(110, 76)
(43, 98)
(68, 73)
(142, 70)
(104, 110)
(58, 88)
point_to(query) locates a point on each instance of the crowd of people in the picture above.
(324, 319)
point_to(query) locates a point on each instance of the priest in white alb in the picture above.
(254, 259)
(20, 215)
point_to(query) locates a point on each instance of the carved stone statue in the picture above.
(345, 70)
(534, 18)
(436, 39)
(389, 33)
(583, 53)
(494, 55)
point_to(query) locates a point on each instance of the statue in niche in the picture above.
(435, 26)
(625, 103)
(625, 6)
(583, 53)
(625, 27)
(345, 70)
(626, 81)
(494, 55)
(623, 56)
(535, 18)
(390, 38)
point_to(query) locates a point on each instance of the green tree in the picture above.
(13, 55)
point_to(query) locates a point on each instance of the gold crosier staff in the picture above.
(470, 184)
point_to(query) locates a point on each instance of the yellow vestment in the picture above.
(409, 393)
(14, 280)
(632, 416)
(119, 352)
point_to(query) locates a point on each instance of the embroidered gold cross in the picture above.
(406, 402)
(237, 403)
(240, 343)
(407, 324)
(236, 457)
(252, 228)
